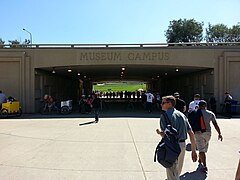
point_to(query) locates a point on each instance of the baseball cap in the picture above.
(197, 95)
(176, 94)
(202, 103)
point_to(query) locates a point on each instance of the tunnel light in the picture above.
(123, 68)
(122, 72)
(78, 74)
(165, 73)
(176, 69)
(69, 70)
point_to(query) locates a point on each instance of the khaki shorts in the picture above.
(202, 140)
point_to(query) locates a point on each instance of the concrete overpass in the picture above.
(205, 68)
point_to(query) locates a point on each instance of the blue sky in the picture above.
(107, 21)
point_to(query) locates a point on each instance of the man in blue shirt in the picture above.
(180, 122)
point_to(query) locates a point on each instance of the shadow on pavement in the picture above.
(87, 123)
(195, 175)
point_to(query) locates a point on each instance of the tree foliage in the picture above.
(1, 43)
(18, 44)
(221, 33)
(184, 31)
(234, 33)
(217, 33)
(14, 43)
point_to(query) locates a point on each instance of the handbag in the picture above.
(168, 149)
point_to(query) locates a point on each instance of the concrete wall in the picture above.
(226, 75)
(199, 82)
(17, 77)
(158, 56)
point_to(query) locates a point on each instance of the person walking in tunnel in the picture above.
(82, 104)
(158, 101)
(89, 104)
(149, 101)
(96, 103)
(180, 104)
(213, 104)
(227, 103)
(194, 104)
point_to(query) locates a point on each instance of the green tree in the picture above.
(234, 33)
(14, 43)
(1, 43)
(18, 44)
(217, 33)
(184, 31)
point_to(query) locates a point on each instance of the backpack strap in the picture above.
(172, 129)
(166, 118)
(155, 154)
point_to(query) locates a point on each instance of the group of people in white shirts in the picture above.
(192, 105)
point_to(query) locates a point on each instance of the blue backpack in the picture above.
(168, 149)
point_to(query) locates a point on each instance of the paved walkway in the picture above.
(117, 148)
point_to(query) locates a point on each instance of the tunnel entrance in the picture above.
(73, 82)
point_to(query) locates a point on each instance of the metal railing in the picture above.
(143, 45)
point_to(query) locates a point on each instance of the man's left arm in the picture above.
(218, 130)
(161, 129)
(193, 145)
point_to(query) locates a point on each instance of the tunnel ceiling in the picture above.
(103, 73)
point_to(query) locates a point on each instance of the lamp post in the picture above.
(30, 35)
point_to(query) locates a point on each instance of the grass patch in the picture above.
(114, 87)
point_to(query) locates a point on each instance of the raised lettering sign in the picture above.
(117, 56)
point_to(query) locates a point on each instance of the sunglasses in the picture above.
(164, 102)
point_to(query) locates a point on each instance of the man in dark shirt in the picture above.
(180, 104)
(96, 106)
(228, 100)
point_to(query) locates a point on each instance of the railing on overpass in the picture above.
(143, 45)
